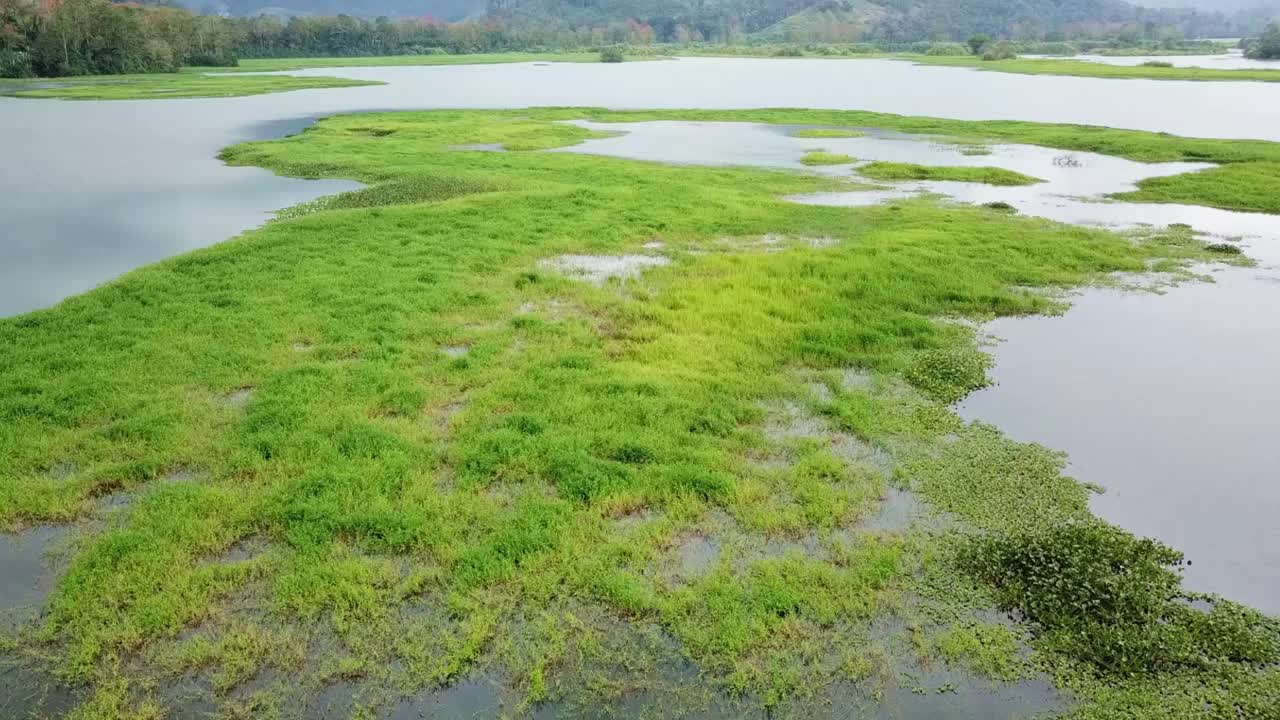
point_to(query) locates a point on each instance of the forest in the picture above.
(55, 38)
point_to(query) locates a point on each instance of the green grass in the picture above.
(909, 171)
(183, 85)
(826, 133)
(1084, 68)
(452, 457)
(1248, 186)
(203, 82)
(820, 157)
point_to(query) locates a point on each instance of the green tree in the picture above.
(1266, 46)
(977, 42)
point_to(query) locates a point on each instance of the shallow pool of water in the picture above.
(27, 572)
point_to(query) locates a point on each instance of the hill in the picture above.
(452, 10)
(856, 20)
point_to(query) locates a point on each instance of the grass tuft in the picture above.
(909, 171)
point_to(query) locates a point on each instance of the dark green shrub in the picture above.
(788, 51)
(611, 55)
(977, 42)
(1224, 248)
(1157, 64)
(946, 49)
(1265, 46)
(15, 64)
(1100, 595)
(999, 51)
(224, 59)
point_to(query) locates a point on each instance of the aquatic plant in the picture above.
(1224, 248)
(1098, 594)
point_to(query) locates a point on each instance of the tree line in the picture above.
(55, 38)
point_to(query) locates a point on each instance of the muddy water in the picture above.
(27, 572)
(89, 190)
(1168, 401)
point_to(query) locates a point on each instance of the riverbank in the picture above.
(176, 85)
(560, 424)
(214, 82)
(1083, 68)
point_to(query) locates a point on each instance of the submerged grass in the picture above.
(909, 171)
(456, 457)
(184, 85)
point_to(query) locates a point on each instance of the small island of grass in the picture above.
(822, 157)
(910, 171)
(184, 85)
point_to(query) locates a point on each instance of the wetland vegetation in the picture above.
(181, 85)
(909, 171)
(614, 436)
